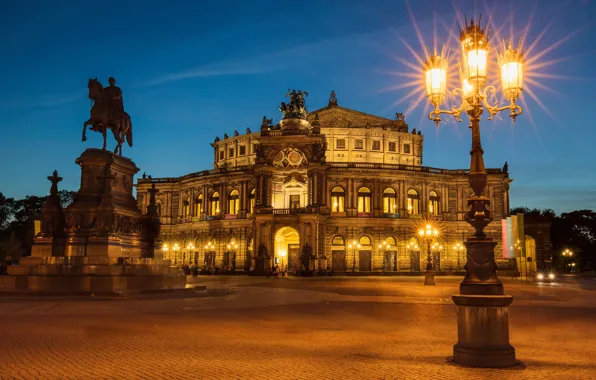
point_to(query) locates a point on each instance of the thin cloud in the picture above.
(47, 101)
(270, 62)
(210, 71)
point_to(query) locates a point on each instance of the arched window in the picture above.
(433, 203)
(364, 197)
(233, 202)
(252, 198)
(337, 240)
(215, 204)
(365, 240)
(186, 207)
(199, 205)
(391, 241)
(413, 202)
(338, 196)
(389, 201)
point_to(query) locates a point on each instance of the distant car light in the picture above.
(540, 276)
(551, 276)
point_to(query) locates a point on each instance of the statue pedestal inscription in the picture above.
(101, 244)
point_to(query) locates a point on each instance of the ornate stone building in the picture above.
(325, 188)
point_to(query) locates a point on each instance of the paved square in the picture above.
(296, 328)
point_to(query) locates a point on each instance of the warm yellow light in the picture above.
(476, 60)
(511, 62)
(421, 232)
(282, 253)
(435, 232)
(474, 45)
(435, 70)
(428, 226)
(467, 88)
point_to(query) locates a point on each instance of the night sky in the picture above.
(192, 70)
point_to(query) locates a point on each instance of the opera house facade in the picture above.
(331, 188)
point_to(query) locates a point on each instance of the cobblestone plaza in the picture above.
(295, 328)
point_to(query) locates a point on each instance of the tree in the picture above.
(576, 230)
(66, 197)
(5, 211)
(11, 247)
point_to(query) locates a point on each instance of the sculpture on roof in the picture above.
(399, 116)
(297, 106)
(332, 99)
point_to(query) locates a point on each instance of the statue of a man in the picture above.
(113, 96)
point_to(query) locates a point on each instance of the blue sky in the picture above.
(192, 70)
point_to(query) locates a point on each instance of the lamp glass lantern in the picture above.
(511, 61)
(435, 69)
(474, 46)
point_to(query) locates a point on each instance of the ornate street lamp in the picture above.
(189, 248)
(210, 247)
(232, 247)
(176, 248)
(354, 246)
(483, 341)
(427, 233)
(412, 247)
(458, 248)
(384, 247)
(567, 254)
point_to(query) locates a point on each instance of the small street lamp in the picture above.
(428, 233)
(176, 248)
(354, 246)
(384, 247)
(567, 255)
(481, 291)
(189, 248)
(232, 247)
(209, 248)
(459, 248)
(412, 247)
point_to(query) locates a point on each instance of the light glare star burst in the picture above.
(411, 77)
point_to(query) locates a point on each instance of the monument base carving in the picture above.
(101, 244)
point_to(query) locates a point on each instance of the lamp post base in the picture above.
(483, 331)
(429, 278)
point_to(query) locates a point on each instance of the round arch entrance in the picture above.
(287, 248)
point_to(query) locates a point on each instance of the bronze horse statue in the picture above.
(101, 118)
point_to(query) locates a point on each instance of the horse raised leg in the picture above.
(85, 124)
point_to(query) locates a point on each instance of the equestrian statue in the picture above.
(107, 112)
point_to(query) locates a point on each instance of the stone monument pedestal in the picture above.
(101, 244)
(483, 331)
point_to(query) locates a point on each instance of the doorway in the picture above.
(287, 248)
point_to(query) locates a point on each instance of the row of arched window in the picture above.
(338, 203)
(338, 196)
(215, 204)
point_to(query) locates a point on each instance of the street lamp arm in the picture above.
(434, 115)
(494, 109)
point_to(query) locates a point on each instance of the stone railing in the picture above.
(203, 173)
(423, 169)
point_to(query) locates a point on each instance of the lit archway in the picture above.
(287, 248)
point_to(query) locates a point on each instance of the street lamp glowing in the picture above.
(511, 62)
(474, 45)
(435, 69)
(165, 247)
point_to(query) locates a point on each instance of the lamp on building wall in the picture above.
(481, 277)
(354, 246)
